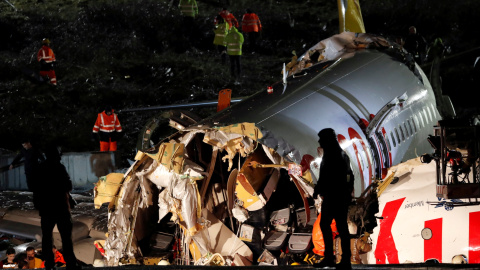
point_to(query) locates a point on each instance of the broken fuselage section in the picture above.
(208, 181)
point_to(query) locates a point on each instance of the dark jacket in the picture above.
(51, 195)
(336, 177)
(33, 157)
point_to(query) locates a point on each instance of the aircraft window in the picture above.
(415, 123)
(433, 111)
(407, 130)
(401, 132)
(410, 128)
(398, 137)
(388, 141)
(429, 114)
(421, 120)
(426, 117)
(393, 139)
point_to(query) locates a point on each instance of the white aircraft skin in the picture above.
(351, 91)
(406, 210)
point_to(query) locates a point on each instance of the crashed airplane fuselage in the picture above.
(220, 179)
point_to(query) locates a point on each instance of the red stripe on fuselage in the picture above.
(386, 248)
(432, 248)
(342, 139)
(354, 134)
(474, 238)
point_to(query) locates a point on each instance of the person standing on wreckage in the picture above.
(51, 198)
(335, 187)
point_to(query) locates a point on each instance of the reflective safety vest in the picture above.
(188, 8)
(234, 42)
(45, 53)
(230, 19)
(251, 23)
(221, 33)
(107, 123)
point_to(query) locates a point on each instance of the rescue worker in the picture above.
(58, 260)
(9, 261)
(416, 45)
(335, 186)
(54, 209)
(234, 41)
(228, 17)
(251, 25)
(188, 9)
(108, 128)
(221, 32)
(33, 262)
(32, 158)
(46, 57)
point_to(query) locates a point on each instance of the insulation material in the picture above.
(106, 189)
(224, 241)
(179, 197)
(274, 157)
(233, 139)
(241, 214)
(170, 155)
(244, 129)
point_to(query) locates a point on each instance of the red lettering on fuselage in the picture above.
(386, 248)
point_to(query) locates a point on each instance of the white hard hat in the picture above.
(459, 259)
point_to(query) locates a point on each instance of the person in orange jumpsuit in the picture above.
(58, 258)
(228, 17)
(251, 26)
(108, 129)
(46, 57)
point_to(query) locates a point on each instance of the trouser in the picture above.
(50, 74)
(252, 40)
(188, 29)
(223, 53)
(64, 225)
(108, 146)
(235, 65)
(338, 210)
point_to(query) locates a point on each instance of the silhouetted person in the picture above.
(32, 158)
(335, 186)
(416, 44)
(53, 204)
